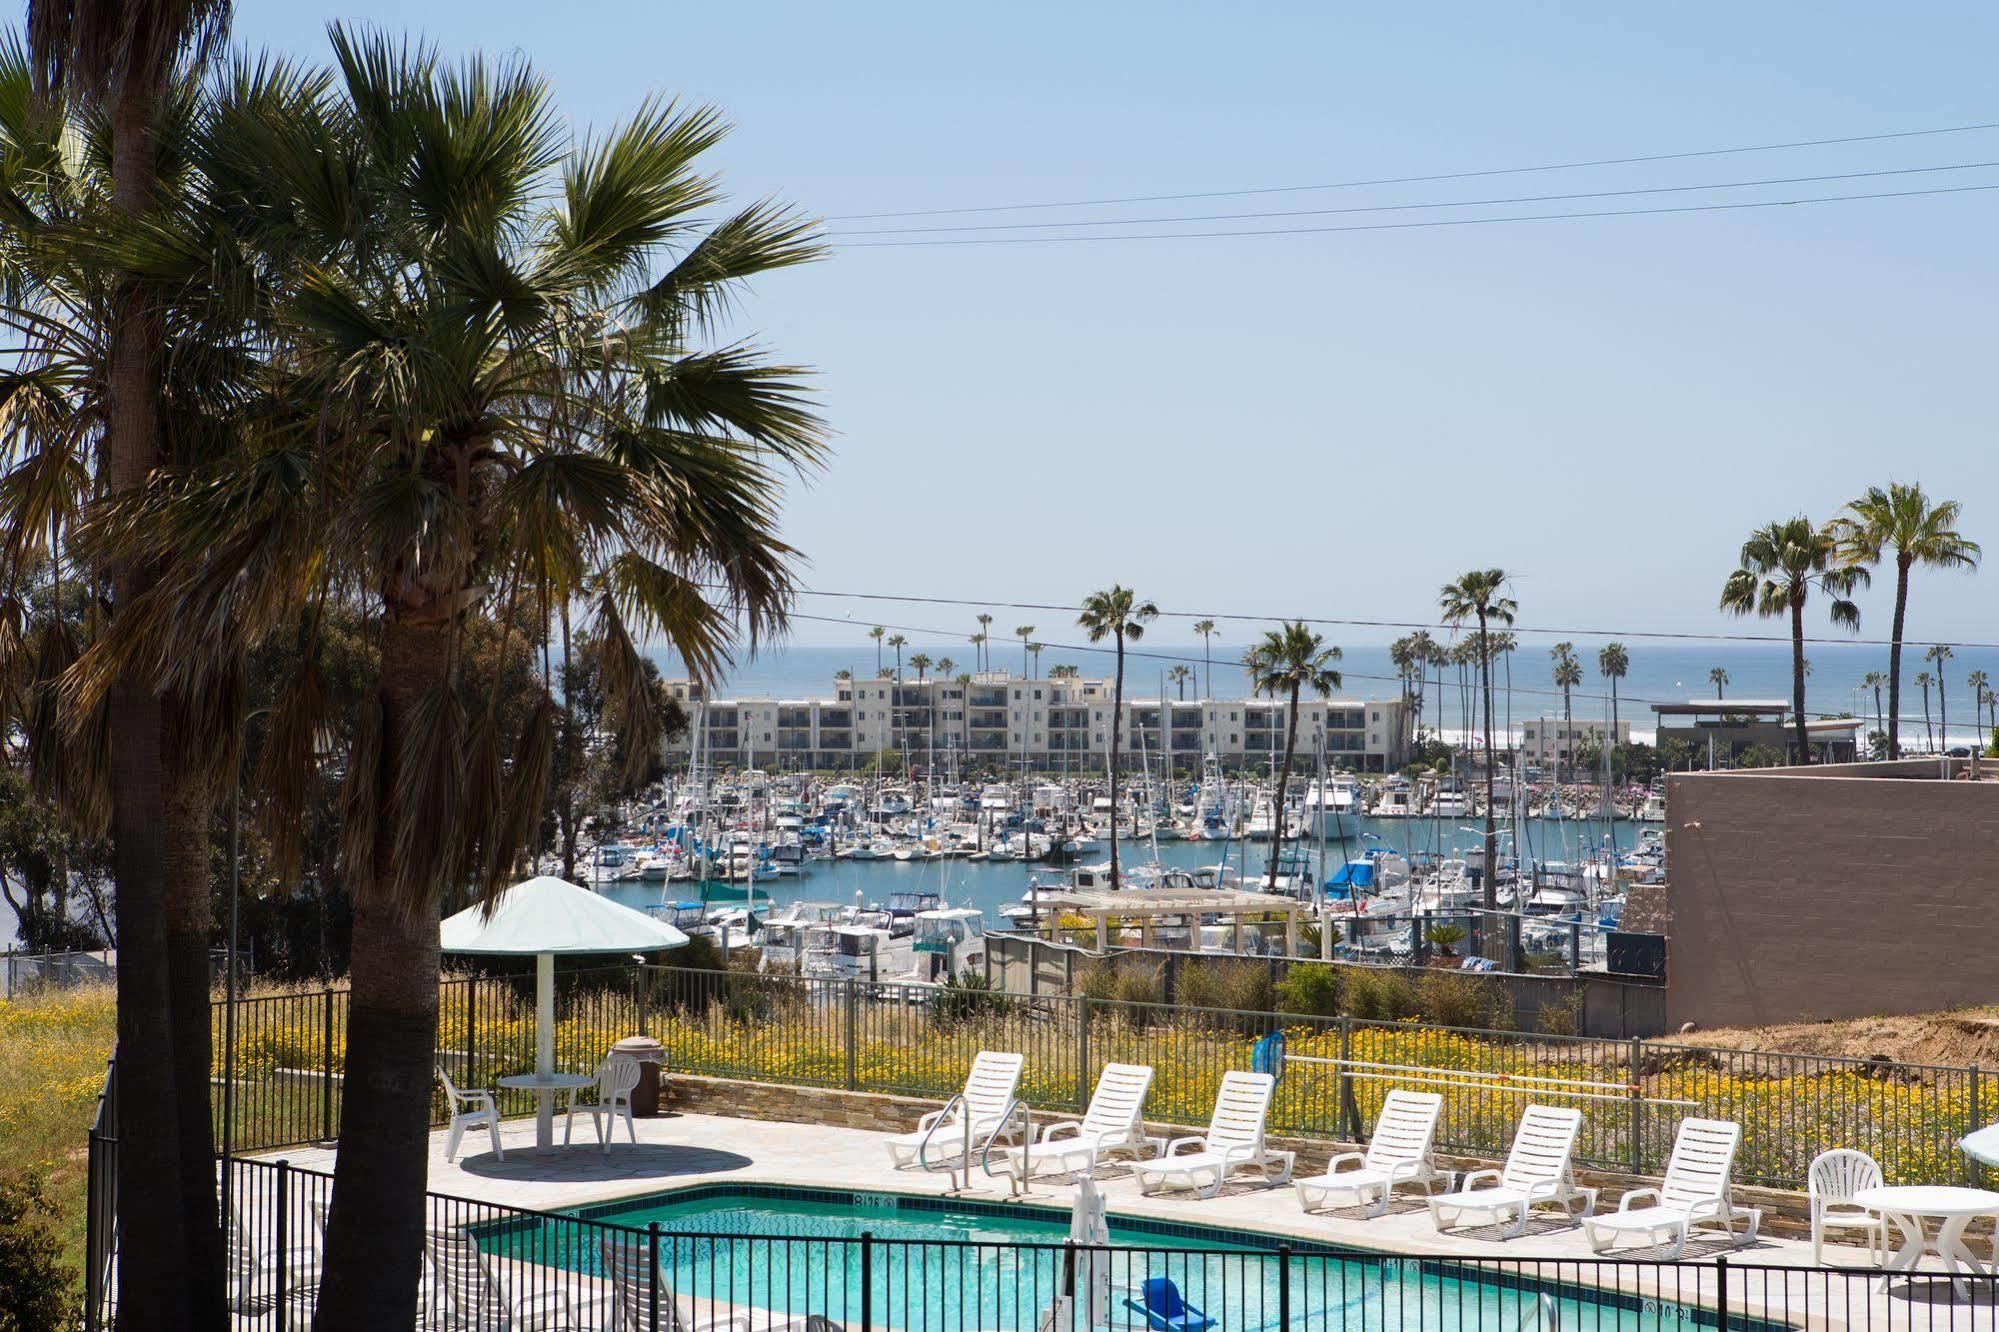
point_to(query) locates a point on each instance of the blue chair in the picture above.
(1160, 1305)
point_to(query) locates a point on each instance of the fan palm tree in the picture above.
(1035, 650)
(1718, 677)
(1023, 632)
(1062, 671)
(876, 634)
(898, 642)
(1976, 682)
(1476, 596)
(978, 642)
(1874, 680)
(1613, 663)
(985, 636)
(1781, 565)
(1568, 674)
(1923, 682)
(574, 441)
(1901, 522)
(1287, 661)
(1940, 653)
(1178, 675)
(1206, 629)
(1424, 652)
(944, 666)
(1116, 613)
(921, 661)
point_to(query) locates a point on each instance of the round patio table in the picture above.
(1912, 1207)
(546, 1087)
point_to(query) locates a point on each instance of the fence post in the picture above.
(326, 1067)
(1974, 1172)
(1721, 1293)
(280, 1240)
(1635, 1130)
(645, 1000)
(1284, 1285)
(1082, 1053)
(1347, 1123)
(652, 1276)
(852, 1013)
(867, 1281)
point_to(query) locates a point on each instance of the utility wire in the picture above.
(1417, 180)
(1411, 207)
(1411, 226)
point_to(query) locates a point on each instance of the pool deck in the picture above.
(681, 1150)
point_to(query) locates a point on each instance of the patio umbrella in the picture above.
(545, 916)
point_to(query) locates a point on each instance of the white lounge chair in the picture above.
(1234, 1141)
(1114, 1122)
(254, 1269)
(1830, 1183)
(633, 1277)
(976, 1113)
(467, 1293)
(1695, 1191)
(469, 1109)
(1398, 1153)
(1536, 1172)
(617, 1079)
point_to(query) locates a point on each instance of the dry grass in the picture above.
(1962, 1037)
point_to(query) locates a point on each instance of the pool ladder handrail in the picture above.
(1015, 1108)
(1545, 1314)
(943, 1117)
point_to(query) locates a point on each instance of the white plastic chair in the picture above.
(1536, 1172)
(1234, 1141)
(617, 1079)
(468, 1294)
(1398, 1153)
(1114, 1122)
(469, 1109)
(977, 1113)
(254, 1269)
(632, 1279)
(1830, 1183)
(1695, 1191)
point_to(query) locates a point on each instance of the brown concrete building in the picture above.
(1837, 891)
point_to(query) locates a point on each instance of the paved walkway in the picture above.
(679, 1150)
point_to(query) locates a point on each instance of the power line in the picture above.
(1410, 226)
(1416, 180)
(1410, 207)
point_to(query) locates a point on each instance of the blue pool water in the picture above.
(955, 1267)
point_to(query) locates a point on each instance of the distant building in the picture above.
(1006, 720)
(1549, 742)
(1725, 727)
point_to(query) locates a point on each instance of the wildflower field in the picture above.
(53, 1049)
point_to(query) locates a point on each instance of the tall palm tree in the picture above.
(1923, 682)
(921, 661)
(1023, 632)
(1613, 663)
(898, 642)
(1902, 522)
(876, 634)
(985, 636)
(1940, 653)
(1036, 649)
(1424, 651)
(944, 666)
(1976, 682)
(1874, 680)
(1781, 565)
(978, 642)
(1178, 675)
(1116, 613)
(1206, 629)
(1568, 674)
(1476, 595)
(1288, 661)
(1062, 671)
(1718, 677)
(577, 444)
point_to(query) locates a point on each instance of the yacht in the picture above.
(948, 942)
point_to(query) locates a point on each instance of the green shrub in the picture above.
(1237, 984)
(37, 1292)
(966, 996)
(1445, 938)
(1563, 1017)
(1462, 999)
(1311, 989)
(1378, 994)
(1127, 980)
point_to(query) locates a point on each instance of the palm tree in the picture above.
(1874, 680)
(978, 642)
(985, 636)
(921, 661)
(944, 666)
(1976, 682)
(1941, 653)
(876, 634)
(1023, 632)
(1781, 564)
(1036, 649)
(1424, 651)
(1206, 629)
(843, 675)
(1718, 677)
(1116, 613)
(1062, 671)
(1475, 595)
(1568, 674)
(1923, 682)
(1613, 663)
(1901, 520)
(1178, 675)
(898, 642)
(1290, 660)
(582, 448)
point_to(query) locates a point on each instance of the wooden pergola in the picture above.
(1148, 906)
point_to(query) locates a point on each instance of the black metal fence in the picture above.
(613, 1266)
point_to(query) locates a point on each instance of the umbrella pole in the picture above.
(544, 1047)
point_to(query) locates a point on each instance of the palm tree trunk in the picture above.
(1943, 712)
(374, 1234)
(1613, 709)
(1798, 678)
(1117, 715)
(1283, 780)
(1490, 878)
(153, 1258)
(1895, 656)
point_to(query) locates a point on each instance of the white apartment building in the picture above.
(1548, 741)
(1005, 720)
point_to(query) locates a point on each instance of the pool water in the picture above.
(948, 1266)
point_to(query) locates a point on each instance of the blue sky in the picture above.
(1335, 424)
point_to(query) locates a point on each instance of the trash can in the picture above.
(651, 1057)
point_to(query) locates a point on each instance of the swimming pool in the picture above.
(951, 1266)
